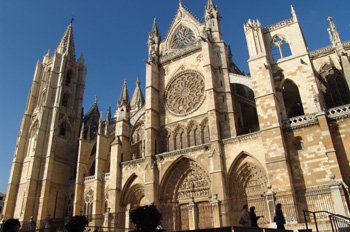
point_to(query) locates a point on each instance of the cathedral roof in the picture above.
(93, 114)
(137, 99)
(66, 45)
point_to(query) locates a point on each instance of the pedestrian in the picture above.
(253, 218)
(245, 218)
(11, 225)
(279, 218)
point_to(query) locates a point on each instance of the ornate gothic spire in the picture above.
(66, 45)
(155, 31)
(124, 96)
(210, 5)
(334, 37)
(137, 99)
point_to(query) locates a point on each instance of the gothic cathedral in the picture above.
(206, 138)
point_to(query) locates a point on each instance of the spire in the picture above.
(229, 52)
(334, 36)
(137, 99)
(124, 96)
(100, 124)
(66, 45)
(155, 31)
(293, 13)
(108, 117)
(210, 5)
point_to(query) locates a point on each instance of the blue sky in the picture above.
(112, 35)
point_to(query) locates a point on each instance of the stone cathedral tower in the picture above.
(203, 141)
(46, 151)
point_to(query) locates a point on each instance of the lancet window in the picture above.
(334, 87)
(63, 129)
(65, 100)
(68, 78)
(280, 48)
(292, 100)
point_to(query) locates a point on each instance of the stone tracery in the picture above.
(183, 37)
(185, 93)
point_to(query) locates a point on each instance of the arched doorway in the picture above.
(185, 181)
(133, 196)
(247, 185)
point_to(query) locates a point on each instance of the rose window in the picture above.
(183, 37)
(185, 93)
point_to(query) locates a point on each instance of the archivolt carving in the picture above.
(187, 180)
(134, 194)
(185, 93)
(248, 180)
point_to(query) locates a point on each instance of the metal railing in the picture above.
(338, 222)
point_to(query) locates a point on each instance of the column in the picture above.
(192, 215)
(215, 205)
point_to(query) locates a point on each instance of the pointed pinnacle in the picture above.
(66, 45)
(138, 81)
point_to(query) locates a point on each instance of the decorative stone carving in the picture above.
(183, 37)
(248, 180)
(185, 93)
(89, 195)
(187, 180)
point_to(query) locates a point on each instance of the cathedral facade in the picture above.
(204, 140)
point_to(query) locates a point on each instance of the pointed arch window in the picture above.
(65, 100)
(280, 48)
(92, 169)
(93, 151)
(63, 129)
(183, 37)
(334, 87)
(68, 78)
(292, 100)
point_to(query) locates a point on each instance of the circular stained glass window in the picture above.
(185, 93)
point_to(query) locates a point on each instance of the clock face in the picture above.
(184, 93)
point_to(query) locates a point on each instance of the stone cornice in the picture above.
(188, 50)
(242, 138)
(278, 25)
(205, 146)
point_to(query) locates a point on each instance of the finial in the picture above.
(180, 3)
(124, 81)
(293, 13)
(154, 20)
(72, 20)
(138, 81)
(95, 99)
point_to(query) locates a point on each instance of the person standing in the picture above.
(253, 218)
(245, 217)
(279, 218)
